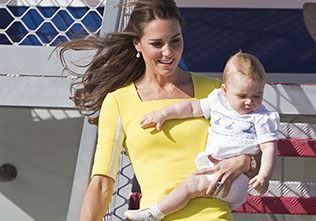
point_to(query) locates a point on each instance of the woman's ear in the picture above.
(224, 89)
(137, 45)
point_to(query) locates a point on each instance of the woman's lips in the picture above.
(167, 62)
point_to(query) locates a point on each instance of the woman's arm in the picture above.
(180, 110)
(228, 170)
(97, 198)
(110, 137)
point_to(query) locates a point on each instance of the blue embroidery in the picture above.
(234, 119)
(240, 136)
(229, 127)
(248, 130)
(247, 134)
(217, 121)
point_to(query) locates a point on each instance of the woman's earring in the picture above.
(138, 54)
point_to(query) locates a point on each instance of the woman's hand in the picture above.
(155, 117)
(225, 172)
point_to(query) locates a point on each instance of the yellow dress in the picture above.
(161, 160)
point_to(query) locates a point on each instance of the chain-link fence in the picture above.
(37, 23)
(122, 189)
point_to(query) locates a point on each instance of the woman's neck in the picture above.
(157, 87)
(158, 81)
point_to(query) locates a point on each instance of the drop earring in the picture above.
(138, 54)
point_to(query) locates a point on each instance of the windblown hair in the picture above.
(245, 64)
(114, 64)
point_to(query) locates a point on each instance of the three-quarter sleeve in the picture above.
(267, 126)
(110, 139)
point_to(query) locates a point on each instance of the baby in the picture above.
(240, 124)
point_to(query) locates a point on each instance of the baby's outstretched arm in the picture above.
(180, 110)
(269, 152)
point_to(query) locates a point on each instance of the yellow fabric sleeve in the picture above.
(110, 139)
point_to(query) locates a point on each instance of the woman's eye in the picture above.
(175, 40)
(156, 44)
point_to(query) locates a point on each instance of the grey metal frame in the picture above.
(83, 170)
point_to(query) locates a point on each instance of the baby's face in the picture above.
(243, 94)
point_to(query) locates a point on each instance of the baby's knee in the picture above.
(196, 186)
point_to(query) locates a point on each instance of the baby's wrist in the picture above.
(265, 176)
(252, 164)
(164, 114)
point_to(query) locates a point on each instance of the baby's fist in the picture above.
(260, 184)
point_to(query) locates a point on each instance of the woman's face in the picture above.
(161, 46)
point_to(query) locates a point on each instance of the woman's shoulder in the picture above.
(123, 91)
(204, 80)
(204, 85)
(121, 95)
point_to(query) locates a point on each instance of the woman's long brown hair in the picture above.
(114, 64)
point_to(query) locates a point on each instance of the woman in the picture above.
(137, 74)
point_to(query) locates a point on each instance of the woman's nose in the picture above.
(167, 51)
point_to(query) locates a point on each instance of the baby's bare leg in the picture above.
(192, 187)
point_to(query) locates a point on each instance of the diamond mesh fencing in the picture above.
(122, 189)
(36, 23)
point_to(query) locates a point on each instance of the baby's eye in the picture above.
(242, 96)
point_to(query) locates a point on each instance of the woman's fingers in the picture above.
(212, 188)
(219, 185)
(227, 183)
(209, 170)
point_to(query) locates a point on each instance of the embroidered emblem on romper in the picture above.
(230, 127)
(248, 130)
(217, 121)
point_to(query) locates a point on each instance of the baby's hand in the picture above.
(260, 184)
(155, 117)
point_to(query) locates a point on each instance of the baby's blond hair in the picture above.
(245, 64)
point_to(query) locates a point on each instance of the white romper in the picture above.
(233, 134)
